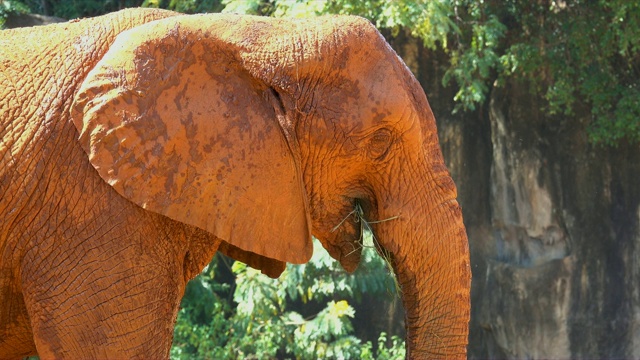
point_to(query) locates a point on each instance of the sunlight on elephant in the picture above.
(135, 145)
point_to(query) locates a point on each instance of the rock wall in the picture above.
(553, 223)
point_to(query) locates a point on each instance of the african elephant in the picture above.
(137, 144)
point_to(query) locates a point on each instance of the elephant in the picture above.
(136, 145)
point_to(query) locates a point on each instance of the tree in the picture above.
(256, 317)
(11, 7)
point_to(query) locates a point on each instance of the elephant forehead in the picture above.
(360, 107)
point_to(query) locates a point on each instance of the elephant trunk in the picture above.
(429, 252)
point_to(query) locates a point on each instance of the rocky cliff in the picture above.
(553, 223)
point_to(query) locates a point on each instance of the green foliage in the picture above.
(78, 8)
(250, 7)
(255, 319)
(474, 60)
(10, 7)
(186, 6)
(203, 318)
(580, 51)
(394, 352)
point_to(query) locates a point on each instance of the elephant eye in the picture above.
(379, 143)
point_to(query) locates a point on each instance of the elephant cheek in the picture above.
(350, 254)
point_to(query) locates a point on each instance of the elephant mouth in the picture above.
(343, 239)
(350, 253)
(349, 238)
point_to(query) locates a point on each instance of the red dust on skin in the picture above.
(197, 132)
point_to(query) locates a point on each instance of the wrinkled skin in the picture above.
(128, 160)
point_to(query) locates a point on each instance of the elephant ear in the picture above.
(172, 121)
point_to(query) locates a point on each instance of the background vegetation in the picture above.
(232, 311)
(576, 54)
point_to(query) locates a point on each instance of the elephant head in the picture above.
(265, 132)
